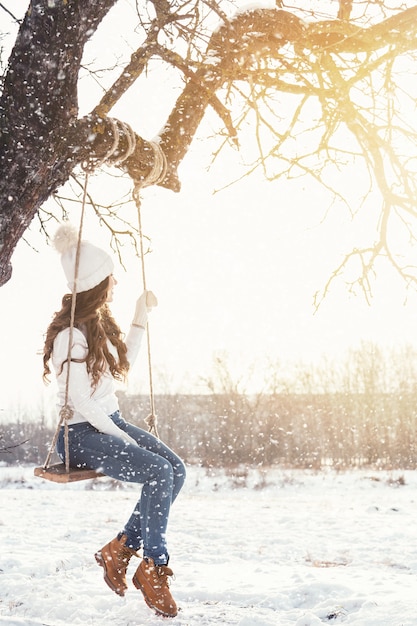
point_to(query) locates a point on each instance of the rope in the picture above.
(156, 174)
(131, 144)
(159, 167)
(66, 412)
(151, 419)
(109, 157)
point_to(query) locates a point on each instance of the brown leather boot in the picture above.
(114, 559)
(153, 582)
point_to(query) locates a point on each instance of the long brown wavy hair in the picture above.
(93, 315)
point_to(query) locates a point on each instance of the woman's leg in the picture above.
(162, 474)
(151, 463)
(153, 444)
(143, 516)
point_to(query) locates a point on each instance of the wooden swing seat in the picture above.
(58, 473)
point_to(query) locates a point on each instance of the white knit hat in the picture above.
(94, 263)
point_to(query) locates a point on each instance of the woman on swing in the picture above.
(99, 438)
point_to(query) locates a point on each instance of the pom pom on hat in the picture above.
(94, 264)
(66, 237)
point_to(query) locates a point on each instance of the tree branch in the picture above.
(273, 50)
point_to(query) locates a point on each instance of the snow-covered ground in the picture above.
(288, 547)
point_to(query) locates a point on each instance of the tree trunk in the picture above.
(39, 109)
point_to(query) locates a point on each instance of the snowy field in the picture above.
(291, 547)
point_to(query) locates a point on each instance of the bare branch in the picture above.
(345, 10)
(293, 81)
(6, 10)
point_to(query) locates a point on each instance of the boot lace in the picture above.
(126, 553)
(164, 573)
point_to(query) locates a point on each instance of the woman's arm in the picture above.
(133, 342)
(144, 305)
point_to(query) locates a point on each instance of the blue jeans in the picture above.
(150, 463)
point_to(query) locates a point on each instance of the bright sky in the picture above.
(235, 273)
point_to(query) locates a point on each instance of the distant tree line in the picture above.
(293, 430)
(363, 415)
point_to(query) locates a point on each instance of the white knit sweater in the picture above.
(88, 405)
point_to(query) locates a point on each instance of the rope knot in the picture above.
(151, 422)
(66, 413)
